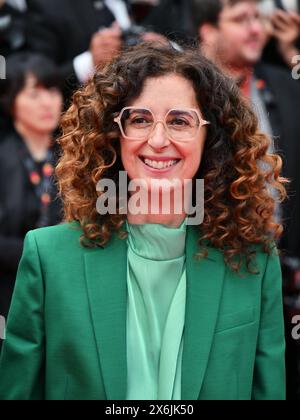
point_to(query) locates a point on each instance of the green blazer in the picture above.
(66, 333)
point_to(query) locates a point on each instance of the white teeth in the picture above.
(159, 165)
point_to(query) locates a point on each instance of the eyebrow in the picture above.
(141, 110)
(179, 111)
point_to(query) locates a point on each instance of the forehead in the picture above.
(239, 7)
(166, 92)
(31, 80)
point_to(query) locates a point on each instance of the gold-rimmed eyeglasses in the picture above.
(181, 124)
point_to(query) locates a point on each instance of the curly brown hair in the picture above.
(240, 176)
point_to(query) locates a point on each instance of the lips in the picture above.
(159, 163)
(47, 117)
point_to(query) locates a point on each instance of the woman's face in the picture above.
(172, 160)
(37, 108)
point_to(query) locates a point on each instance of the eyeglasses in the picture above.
(139, 123)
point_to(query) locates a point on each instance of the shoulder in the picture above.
(63, 230)
(63, 237)
(262, 264)
(278, 78)
(49, 12)
(8, 142)
(270, 70)
(46, 6)
(260, 260)
(9, 156)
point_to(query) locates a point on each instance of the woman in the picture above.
(31, 100)
(128, 312)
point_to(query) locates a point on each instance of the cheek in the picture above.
(191, 166)
(234, 40)
(58, 104)
(21, 110)
(129, 155)
(192, 160)
(25, 110)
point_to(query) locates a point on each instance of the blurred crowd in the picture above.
(52, 47)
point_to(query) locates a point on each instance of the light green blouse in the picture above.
(156, 279)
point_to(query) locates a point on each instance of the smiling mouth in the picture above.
(159, 165)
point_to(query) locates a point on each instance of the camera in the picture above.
(133, 35)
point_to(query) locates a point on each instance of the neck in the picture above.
(242, 76)
(245, 84)
(37, 143)
(163, 210)
(172, 221)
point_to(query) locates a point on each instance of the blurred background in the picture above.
(52, 47)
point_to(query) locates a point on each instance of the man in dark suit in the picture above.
(171, 18)
(12, 29)
(67, 31)
(78, 34)
(233, 35)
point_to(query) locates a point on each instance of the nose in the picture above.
(256, 26)
(46, 99)
(159, 137)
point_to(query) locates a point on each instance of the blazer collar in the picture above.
(106, 277)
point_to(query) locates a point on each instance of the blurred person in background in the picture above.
(79, 35)
(12, 34)
(283, 23)
(31, 99)
(233, 34)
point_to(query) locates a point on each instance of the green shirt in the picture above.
(156, 280)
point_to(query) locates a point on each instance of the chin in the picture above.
(253, 57)
(48, 129)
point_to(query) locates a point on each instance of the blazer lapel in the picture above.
(204, 291)
(106, 274)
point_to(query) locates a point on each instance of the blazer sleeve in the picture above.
(23, 354)
(270, 375)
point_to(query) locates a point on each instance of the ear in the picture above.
(208, 34)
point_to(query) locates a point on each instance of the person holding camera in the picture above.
(283, 23)
(286, 31)
(79, 35)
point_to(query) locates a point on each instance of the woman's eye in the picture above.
(179, 122)
(139, 121)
